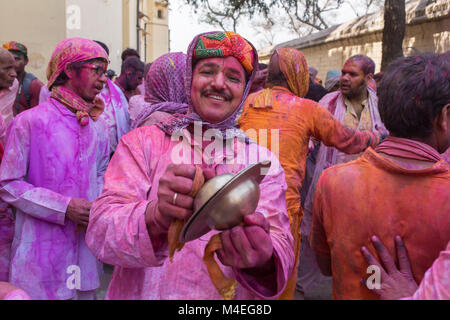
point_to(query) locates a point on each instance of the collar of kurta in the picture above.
(264, 98)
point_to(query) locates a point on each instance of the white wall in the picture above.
(98, 20)
(38, 24)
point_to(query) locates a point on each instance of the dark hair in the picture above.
(377, 77)
(147, 68)
(104, 46)
(412, 93)
(367, 64)
(262, 66)
(23, 55)
(132, 63)
(130, 52)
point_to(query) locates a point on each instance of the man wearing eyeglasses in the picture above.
(52, 169)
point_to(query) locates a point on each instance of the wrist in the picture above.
(263, 270)
(155, 228)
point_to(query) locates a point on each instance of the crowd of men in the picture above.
(359, 174)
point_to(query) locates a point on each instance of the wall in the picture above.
(157, 31)
(99, 21)
(39, 25)
(428, 29)
(129, 18)
(431, 36)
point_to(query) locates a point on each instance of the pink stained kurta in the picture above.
(115, 115)
(435, 284)
(49, 158)
(6, 237)
(117, 233)
(137, 104)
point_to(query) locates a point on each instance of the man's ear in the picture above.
(26, 61)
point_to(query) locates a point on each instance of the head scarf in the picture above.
(69, 51)
(234, 46)
(313, 72)
(333, 77)
(72, 50)
(16, 46)
(164, 87)
(295, 69)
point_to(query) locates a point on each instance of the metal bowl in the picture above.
(230, 208)
(223, 202)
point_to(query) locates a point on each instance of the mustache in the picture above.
(218, 93)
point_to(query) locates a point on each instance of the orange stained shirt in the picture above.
(374, 196)
(296, 120)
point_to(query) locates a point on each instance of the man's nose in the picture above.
(13, 73)
(219, 81)
(103, 78)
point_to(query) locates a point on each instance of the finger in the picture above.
(181, 185)
(184, 170)
(372, 261)
(173, 212)
(402, 254)
(257, 237)
(257, 219)
(228, 253)
(83, 220)
(384, 255)
(242, 246)
(181, 200)
(260, 241)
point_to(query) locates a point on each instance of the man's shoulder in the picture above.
(38, 114)
(150, 134)
(330, 97)
(36, 84)
(347, 171)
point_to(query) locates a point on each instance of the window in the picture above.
(160, 14)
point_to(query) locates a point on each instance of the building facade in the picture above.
(427, 29)
(120, 24)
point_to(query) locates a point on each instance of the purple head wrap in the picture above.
(164, 87)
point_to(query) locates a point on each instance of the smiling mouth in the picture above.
(217, 97)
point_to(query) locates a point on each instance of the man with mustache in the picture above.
(281, 106)
(146, 191)
(400, 188)
(355, 105)
(53, 166)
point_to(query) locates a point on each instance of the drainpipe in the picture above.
(138, 2)
(145, 41)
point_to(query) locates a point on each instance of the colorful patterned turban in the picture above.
(72, 50)
(295, 69)
(225, 44)
(16, 46)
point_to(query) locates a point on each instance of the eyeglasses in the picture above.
(99, 71)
